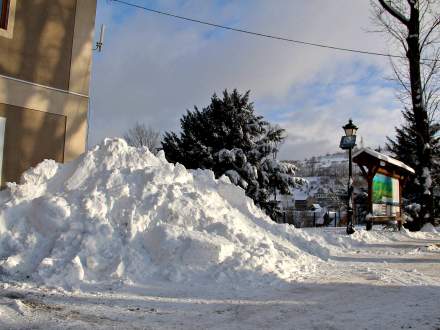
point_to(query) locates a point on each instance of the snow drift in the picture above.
(121, 214)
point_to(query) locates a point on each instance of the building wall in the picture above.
(40, 49)
(73, 106)
(45, 64)
(81, 60)
(26, 143)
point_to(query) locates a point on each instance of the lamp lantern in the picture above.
(350, 128)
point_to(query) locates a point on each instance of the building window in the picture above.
(4, 7)
(2, 144)
(7, 18)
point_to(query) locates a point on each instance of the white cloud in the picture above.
(153, 68)
(317, 129)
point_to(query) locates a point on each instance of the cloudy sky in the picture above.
(153, 68)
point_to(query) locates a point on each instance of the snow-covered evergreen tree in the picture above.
(404, 147)
(230, 139)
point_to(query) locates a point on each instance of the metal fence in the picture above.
(301, 219)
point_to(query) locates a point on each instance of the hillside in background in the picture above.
(326, 177)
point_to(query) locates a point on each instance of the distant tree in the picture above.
(280, 134)
(230, 139)
(414, 27)
(142, 136)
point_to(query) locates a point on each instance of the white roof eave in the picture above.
(385, 158)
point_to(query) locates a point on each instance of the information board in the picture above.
(386, 196)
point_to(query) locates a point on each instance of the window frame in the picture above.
(4, 14)
(7, 18)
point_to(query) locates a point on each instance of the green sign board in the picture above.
(386, 196)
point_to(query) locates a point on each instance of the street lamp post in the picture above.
(348, 142)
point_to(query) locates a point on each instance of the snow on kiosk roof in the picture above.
(367, 156)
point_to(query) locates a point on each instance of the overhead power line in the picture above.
(264, 35)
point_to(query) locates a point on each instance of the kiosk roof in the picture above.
(385, 158)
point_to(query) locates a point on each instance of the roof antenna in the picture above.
(100, 43)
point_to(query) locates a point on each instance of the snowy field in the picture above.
(122, 239)
(379, 280)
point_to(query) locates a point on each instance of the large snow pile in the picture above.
(121, 214)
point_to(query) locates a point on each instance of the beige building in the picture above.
(45, 60)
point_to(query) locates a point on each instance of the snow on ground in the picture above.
(376, 280)
(123, 239)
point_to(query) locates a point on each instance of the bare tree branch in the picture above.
(394, 12)
(402, 80)
(142, 136)
(432, 29)
(429, 47)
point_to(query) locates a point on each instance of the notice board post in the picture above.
(386, 178)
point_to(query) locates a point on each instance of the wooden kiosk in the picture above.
(386, 178)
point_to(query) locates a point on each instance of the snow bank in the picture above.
(428, 228)
(121, 214)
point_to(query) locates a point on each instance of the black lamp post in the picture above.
(348, 142)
